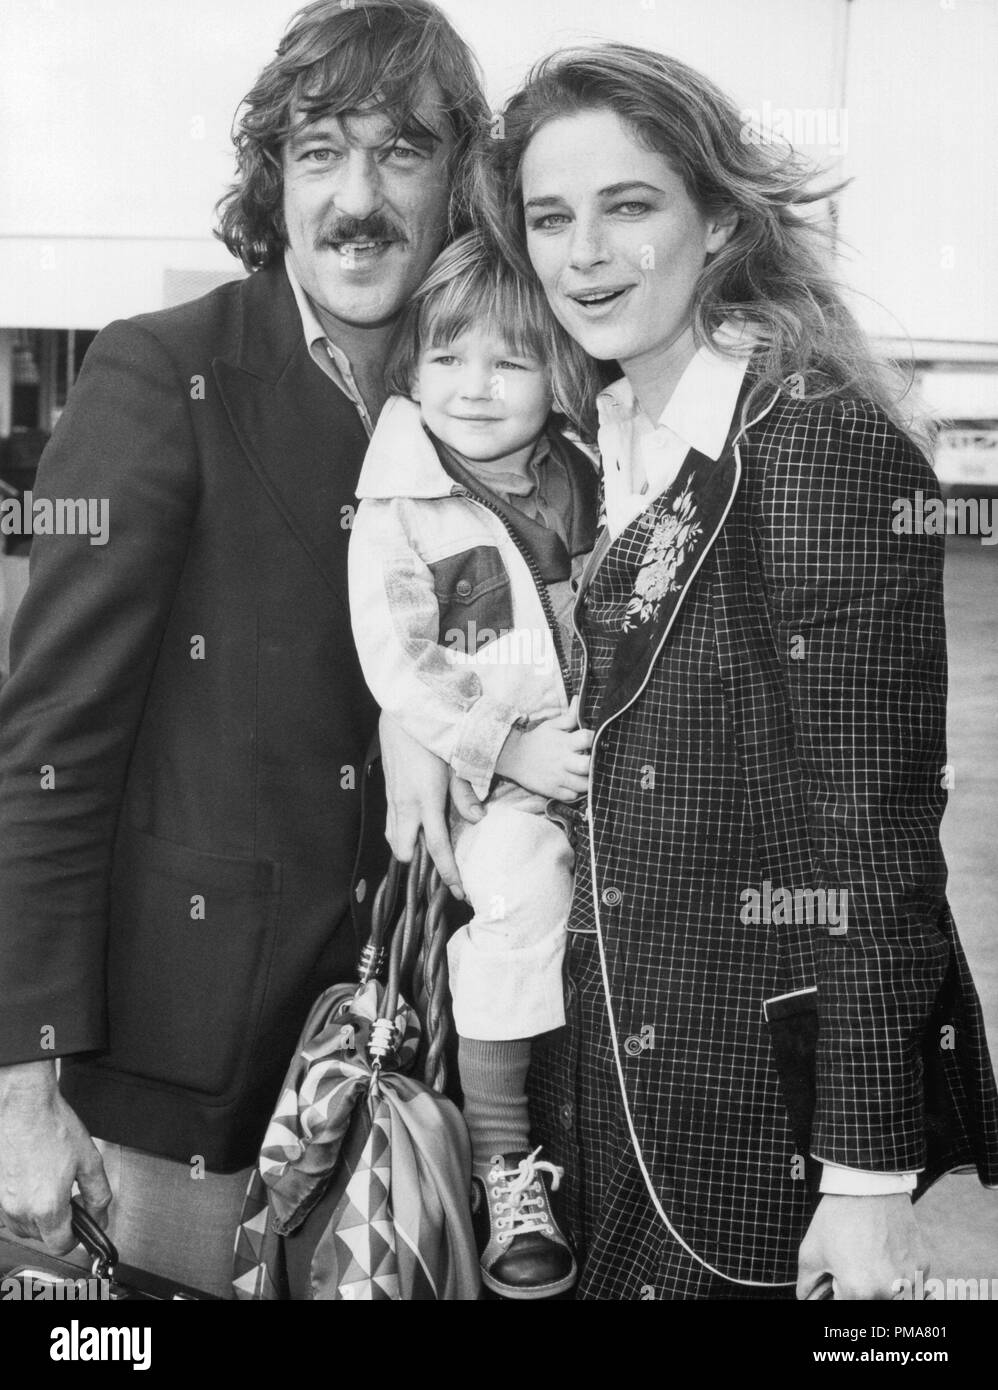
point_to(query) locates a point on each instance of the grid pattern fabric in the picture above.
(783, 725)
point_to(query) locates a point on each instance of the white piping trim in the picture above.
(731, 1279)
(807, 989)
(792, 994)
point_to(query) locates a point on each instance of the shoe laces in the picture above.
(519, 1201)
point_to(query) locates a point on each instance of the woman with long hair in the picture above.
(763, 971)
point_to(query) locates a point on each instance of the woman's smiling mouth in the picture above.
(592, 301)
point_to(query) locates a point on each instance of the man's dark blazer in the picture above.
(183, 735)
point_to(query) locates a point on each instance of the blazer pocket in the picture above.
(191, 939)
(793, 1032)
(474, 598)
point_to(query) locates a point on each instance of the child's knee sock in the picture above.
(494, 1081)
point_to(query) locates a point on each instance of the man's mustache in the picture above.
(376, 228)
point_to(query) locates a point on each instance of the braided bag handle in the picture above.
(414, 939)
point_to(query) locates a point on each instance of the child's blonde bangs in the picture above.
(469, 285)
(490, 298)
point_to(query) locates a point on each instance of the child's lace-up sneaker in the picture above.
(521, 1246)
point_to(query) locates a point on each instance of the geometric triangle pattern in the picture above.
(361, 1192)
(365, 1236)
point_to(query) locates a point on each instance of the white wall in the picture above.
(115, 117)
(752, 48)
(922, 215)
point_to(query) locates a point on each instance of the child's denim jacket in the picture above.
(453, 624)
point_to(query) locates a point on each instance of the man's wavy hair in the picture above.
(336, 57)
(469, 286)
(774, 271)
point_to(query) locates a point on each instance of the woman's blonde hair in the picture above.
(470, 285)
(774, 270)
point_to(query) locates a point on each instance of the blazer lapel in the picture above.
(686, 524)
(302, 436)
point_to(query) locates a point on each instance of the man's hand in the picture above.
(859, 1246)
(44, 1149)
(551, 759)
(417, 783)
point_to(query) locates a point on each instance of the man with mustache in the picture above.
(183, 735)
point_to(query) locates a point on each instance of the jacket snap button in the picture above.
(464, 587)
(567, 1115)
(611, 897)
(360, 891)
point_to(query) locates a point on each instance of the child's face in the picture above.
(483, 400)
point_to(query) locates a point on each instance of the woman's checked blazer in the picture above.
(777, 718)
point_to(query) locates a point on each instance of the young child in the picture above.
(475, 519)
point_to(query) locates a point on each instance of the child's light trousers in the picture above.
(506, 965)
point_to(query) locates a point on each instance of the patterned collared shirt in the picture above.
(641, 458)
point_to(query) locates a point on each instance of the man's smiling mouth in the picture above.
(359, 250)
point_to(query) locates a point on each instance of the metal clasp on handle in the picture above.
(383, 1041)
(104, 1256)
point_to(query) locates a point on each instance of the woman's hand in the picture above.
(551, 759)
(417, 784)
(860, 1248)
